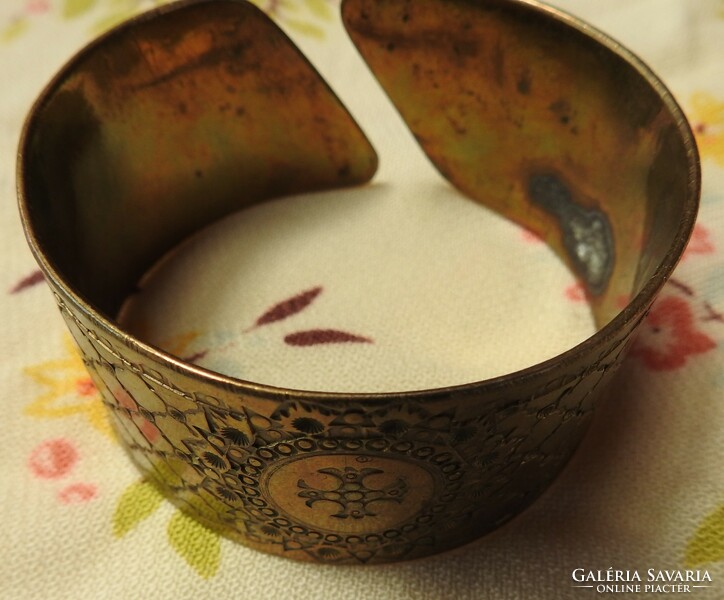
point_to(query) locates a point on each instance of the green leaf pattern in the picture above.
(305, 28)
(320, 8)
(13, 29)
(111, 19)
(138, 502)
(197, 545)
(306, 17)
(75, 8)
(707, 545)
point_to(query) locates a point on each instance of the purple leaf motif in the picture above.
(313, 337)
(290, 306)
(34, 278)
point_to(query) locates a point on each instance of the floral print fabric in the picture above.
(646, 489)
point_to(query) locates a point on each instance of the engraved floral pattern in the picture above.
(215, 457)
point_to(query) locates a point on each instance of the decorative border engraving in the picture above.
(215, 454)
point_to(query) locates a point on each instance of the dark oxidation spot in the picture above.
(562, 109)
(464, 48)
(549, 192)
(587, 233)
(524, 82)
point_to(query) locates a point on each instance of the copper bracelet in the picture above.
(521, 107)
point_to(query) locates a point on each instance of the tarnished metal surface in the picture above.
(164, 126)
(203, 107)
(500, 95)
(586, 232)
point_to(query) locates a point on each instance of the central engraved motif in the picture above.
(352, 495)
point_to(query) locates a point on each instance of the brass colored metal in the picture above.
(163, 126)
(546, 121)
(203, 107)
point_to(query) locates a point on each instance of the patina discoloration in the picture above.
(228, 114)
(497, 92)
(587, 233)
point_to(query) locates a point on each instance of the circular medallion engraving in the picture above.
(350, 493)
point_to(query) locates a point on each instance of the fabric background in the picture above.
(381, 267)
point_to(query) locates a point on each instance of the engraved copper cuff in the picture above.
(200, 108)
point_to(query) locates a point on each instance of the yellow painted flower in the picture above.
(196, 544)
(707, 119)
(69, 390)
